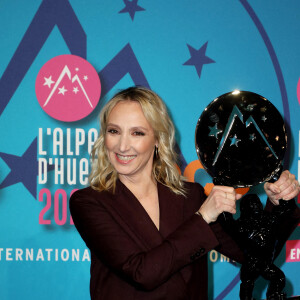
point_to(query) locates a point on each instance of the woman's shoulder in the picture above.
(84, 191)
(87, 194)
(193, 188)
(194, 197)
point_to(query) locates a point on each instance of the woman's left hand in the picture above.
(286, 188)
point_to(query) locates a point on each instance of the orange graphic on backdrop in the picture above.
(195, 165)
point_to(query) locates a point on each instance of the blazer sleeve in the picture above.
(226, 243)
(119, 250)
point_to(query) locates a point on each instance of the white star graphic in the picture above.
(48, 81)
(76, 69)
(85, 77)
(75, 90)
(62, 90)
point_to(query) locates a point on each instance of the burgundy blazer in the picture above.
(132, 260)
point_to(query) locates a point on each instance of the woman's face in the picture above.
(130, 141)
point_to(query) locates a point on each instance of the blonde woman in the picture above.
(148, 230)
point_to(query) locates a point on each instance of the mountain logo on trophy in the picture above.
(236, 113)
(241, 139)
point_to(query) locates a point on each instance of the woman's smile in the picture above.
(125, 159)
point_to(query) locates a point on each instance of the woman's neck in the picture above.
(140, 186)
(145, 190)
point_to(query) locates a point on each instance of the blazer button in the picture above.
(198, 253)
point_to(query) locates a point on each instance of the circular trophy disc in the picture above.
(241, 139)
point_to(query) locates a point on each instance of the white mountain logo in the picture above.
(66, 72)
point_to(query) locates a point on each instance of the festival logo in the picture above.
(68, 88)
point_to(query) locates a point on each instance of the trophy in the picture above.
(241, 141)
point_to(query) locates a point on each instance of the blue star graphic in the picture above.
(198, 58)
(23, 169)
(131, 7)
(214, 131)
(252, 137)
(234, 141)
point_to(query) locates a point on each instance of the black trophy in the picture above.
(241, 141)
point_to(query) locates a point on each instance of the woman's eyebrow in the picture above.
(139, 128)
(132, 128)
(112, 124)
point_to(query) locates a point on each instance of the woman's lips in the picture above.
(124, 159)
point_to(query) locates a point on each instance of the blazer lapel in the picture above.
(172, 214)
(171, 210)
(135, 216)
(132, 213)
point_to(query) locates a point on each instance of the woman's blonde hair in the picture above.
(103, 176)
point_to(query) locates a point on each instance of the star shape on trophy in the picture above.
(214, 131)
(234, 141)
(252, 137)
(250, 107)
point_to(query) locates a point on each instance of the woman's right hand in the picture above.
(221, 199)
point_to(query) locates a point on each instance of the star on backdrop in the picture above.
(62, 90)
(75, 90)
(131, 7)
(48, 81)
(198, 58)
(23, 169)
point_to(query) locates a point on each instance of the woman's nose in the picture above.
(124, 143)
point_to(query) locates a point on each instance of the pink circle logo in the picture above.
(68, 88)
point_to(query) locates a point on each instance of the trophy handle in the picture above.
(227, 222)
(277, 174)
(225, 218)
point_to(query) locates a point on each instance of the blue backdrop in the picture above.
(189, 52)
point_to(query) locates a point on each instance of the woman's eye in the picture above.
(139, 133)
(112, 131)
